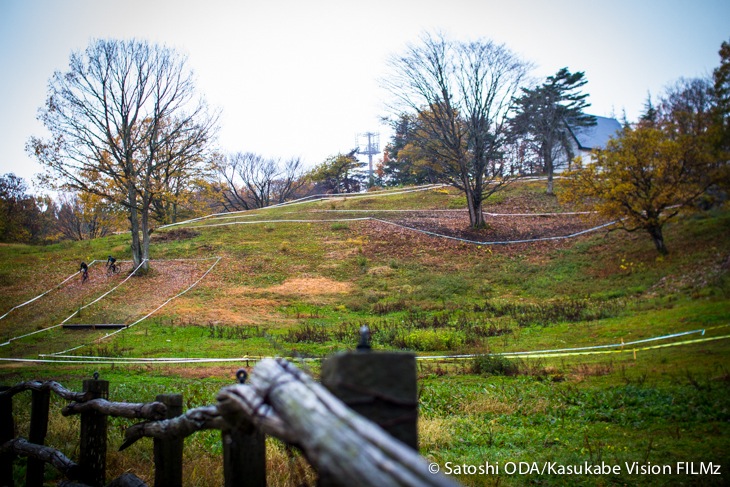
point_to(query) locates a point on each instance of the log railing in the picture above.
(344, 447)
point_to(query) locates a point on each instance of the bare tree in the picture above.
(254, 181)
(461, 93)
(290, 180)
(84, 217)
(122, 115)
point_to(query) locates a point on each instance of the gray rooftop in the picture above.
(596, 136)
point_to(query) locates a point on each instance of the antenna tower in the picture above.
(369, 148)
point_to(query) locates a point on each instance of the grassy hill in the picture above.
(299, 280)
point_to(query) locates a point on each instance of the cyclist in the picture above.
(110, 264)
(84, 270)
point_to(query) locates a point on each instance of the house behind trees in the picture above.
(586, 139)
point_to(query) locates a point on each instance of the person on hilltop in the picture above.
(84, 270)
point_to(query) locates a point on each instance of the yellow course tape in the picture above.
(591, 352)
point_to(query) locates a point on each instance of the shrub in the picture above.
(550, 312)
(388, 306)
(493, 365)
(433, 340)
(308, 334)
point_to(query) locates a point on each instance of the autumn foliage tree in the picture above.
(23, 217)
(182, 176)
(85, 216)
(640, 179)
(340, 173)
(650, 172)
(675, 154)
(124, 120)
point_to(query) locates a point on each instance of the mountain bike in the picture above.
(113, 268)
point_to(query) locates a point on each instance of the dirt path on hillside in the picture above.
(513, 218)
(126, 302)
(500, 228)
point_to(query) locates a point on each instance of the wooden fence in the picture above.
(357, 427)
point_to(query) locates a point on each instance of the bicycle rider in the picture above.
(84, 270)
(110, 263)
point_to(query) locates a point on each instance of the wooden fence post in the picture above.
(244, 457)
(346, 447)
(37, 435)
(244, 453)
(7, 433)
(169, 453)
(381, 386)
(92, 448)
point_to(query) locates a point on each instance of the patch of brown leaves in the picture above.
(175, 234)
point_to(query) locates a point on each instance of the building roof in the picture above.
(596, 136)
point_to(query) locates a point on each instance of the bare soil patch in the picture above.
(310, 286)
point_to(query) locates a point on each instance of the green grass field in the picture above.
(299, 281)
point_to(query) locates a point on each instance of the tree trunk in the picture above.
(658, 239)
(474, 202)
(145, 239)
(547, 157)
(136, 244)
(550, 186)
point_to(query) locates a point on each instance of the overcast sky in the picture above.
(300, 78)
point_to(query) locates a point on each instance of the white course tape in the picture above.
(147, 361)
(537, 354)
(614, 345)
(311, 199)
(505, 242)
(43, 294)
(461, 210)
(229, 215)
(326, 197)
(257, 222)
(218, 259)
(75, 312)
(621, 345)
(168, 361)
(591, 350)
(426, 232)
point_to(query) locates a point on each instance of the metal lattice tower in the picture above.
(370, 148)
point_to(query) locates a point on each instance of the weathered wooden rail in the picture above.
(375, 446)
